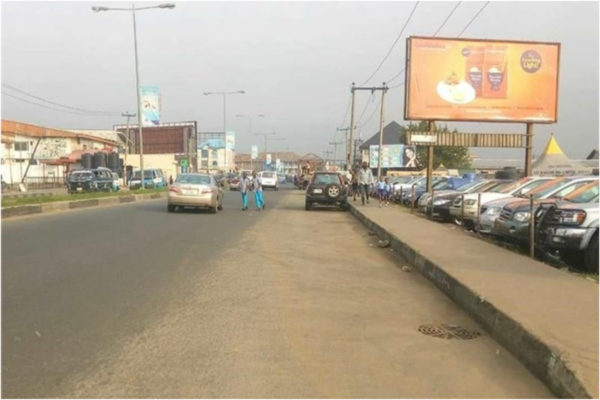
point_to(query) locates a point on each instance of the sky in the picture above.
(295, 61)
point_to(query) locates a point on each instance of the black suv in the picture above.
(90, 180)
(326, 188)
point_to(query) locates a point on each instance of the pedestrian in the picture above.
(244, 188)
(258, 192)
(381, 191)
(388, 191)
(365, 179)
(354, 183)
(170, 180)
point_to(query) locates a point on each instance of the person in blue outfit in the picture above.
(389, 189)
(244, 189)
(258, 191)
(381, 192)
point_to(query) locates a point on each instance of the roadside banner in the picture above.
(230, 141)
(150, 106)
(268, 159)
(254, 152)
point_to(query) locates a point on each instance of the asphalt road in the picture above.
(132, 302)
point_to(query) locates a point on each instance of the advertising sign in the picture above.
(481, 80)
(230, 141)
(254, 152)
(393, 156)
(268, 159)
(150, 106)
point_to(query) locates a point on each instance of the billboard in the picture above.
(393, 156)
(230, 141)
(268, 159)
(254, 152)
(150, 106)
(481, 80)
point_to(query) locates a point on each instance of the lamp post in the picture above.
(133, 9)
(250, 129)
(224, 94)
(265, 136)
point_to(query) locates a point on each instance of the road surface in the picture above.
(132, 302)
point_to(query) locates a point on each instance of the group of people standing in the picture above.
(255, 185)
(363, 183)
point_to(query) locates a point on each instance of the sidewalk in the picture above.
(548, 319)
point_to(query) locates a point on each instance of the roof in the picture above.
(284, 156)
(393, 133)
(12, 128)
(553, 161)
(593, 155)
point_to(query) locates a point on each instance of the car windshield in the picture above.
(547, 188)
(440, 184)
(193, 179)
(326, 179)
(147, 175)
(469, 186)
(267, 175)
(514, 185)
(402, 179)
(82, 175)
(586, 194)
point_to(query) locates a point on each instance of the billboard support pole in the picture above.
(430, 160)
(381, 121)
(528, 149)
(349, 155)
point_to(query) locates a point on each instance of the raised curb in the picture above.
(538, 357)
(45, 208)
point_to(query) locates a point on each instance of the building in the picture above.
(216, 151)
(311, 162)
(40, 156)
(172, 147)
(393, 134)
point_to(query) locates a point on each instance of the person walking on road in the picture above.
(258, 192)
(354, 181)
(244, 188)
(365, 179)
(381, 191)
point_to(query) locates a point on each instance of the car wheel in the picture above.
(171, 208)
(215, 209)
(276, 189)
(307, 205)
(221, 204)
(591, 255)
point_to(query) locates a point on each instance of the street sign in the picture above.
(254, 152)
(501, 140)
(183, 162)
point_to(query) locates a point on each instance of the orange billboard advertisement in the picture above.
(481, 80)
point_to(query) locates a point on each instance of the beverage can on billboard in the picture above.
(150, 105)
(481, 80)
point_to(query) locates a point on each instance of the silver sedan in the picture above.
(197, 191)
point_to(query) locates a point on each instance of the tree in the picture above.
(449, 157)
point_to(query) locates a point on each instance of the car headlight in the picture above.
(575, 217)
(439, 202)
(470, 202)
(493, 211)
(522, 216)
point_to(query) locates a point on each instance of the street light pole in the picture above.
(127, 141)
(250, 130)
(137, 70)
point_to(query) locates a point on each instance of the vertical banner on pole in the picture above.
(150, 105)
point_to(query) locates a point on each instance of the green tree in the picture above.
(449, 157)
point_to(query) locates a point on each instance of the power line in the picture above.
(473, 19)
(52, 108)
(372, 114)
(364, 110)
(447, 18)
(80, 110)
(347, 110)
(393, 45)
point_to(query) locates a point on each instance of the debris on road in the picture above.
(37, 333)
(371, 233)
(384, 243)
(406, 268)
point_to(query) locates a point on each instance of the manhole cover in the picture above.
(448, 332)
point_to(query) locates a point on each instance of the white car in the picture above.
(471, 205)
(269, 180)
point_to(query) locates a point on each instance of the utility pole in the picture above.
(335, 145)
(127, 141)
(327, 154)
(385, 89)
(348, 146)
(352, 90)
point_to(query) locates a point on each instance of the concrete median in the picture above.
(544, 317)
(61, 206)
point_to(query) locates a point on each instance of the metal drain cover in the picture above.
(448, 332)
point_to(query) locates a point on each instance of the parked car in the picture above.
(197, 191)
(90, 180)
(439, 183)
(281, 178)
(513, 222)
(452, 184)
(326, 188)
(439, 205)
(234, 182)
(153, 178)
(116, 185)
(572, 229)
(269, 180)
(471, 205)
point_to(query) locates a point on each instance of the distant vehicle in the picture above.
(572, 229)
(439, 183)
(153, 179)
(90, 180)
(326, 188)
(116, 186)
(234, 182)
(196, 191)
(281, 178)
(269, 180)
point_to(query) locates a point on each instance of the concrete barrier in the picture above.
(540, 355)
(45, 208)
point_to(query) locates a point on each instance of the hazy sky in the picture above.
(295, 60)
